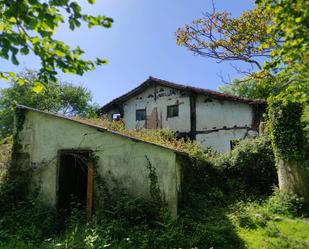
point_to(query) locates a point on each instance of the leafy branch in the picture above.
(220, 36)
(30, 25)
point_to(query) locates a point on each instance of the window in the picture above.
(141, 114)
(234, 143)
(172, 111)
(116, 116)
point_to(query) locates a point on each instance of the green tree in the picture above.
(281, 36)
(62, 98)
(290, 61)
(290, 26)
(30, 25)
(219, 36)
(250, 88)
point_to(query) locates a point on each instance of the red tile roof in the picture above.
(155, 81)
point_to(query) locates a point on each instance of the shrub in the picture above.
(252, 164)
(27, 221)
(250, 214)
(203, 184)
(288, 204)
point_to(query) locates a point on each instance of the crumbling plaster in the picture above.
(158, 97)
(220, 121)
(213, 122)
(213, 114)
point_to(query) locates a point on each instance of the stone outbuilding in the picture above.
(64, 155)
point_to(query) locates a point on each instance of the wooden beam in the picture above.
(89, 191)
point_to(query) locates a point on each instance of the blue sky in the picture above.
(141, 43)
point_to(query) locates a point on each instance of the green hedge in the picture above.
(250, 166)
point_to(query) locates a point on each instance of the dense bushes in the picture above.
(211, 214)
(125, 224)
(287, 204)
(27, 221)
(257, 213)
(249, 169)
(252, 164)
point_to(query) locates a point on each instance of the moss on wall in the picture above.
(19, 174)
(118, 157)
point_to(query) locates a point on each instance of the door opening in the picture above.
(75, 182)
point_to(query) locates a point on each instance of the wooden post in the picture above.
(89, 191)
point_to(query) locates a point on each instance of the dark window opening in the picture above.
(74, 181)
(141, 114)
(234, 143)
(172, 111)
(116, 116)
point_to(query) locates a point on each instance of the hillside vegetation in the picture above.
(230, 201)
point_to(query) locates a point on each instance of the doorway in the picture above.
(75, 182)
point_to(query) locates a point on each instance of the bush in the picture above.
(214, 179)
(250, 214)
(252, 164)
(27, 221)
(203, 184)
(287, 204)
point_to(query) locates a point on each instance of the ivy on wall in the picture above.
(287, 129)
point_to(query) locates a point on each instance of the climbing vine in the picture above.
(155, 193)
(287, 129)
(20, 115)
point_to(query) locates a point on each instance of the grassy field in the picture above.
(281, 233)
(248, 225)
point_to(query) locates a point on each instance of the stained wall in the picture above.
(43, 136)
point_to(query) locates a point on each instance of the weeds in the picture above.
(219, 210)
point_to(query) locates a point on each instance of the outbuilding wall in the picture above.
(43, 136)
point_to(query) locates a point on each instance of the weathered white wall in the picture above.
(214, 114)
(164, 97)
(44, 135)
(220, 140)
(211, 114)
(217, 114)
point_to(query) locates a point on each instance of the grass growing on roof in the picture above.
(164, 137)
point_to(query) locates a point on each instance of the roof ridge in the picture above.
(98, 127)
(201, 88)
(195, 89)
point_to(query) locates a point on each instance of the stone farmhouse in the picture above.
(214, 119)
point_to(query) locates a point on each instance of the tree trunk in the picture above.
(292, 178)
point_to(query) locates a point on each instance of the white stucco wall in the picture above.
(221, 113)
(214, 115)
(233, 119)
(119, 156)
(220, 140)
(164, 97)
